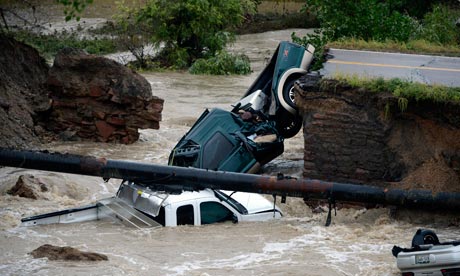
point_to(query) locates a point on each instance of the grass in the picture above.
(49, 45)
(405, 91)
(411, 47)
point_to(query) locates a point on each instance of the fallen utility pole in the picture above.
(178, 179)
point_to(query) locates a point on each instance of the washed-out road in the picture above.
(418, 68)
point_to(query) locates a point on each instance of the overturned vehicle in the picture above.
(252, 133)
(428, 256)
(240, 140)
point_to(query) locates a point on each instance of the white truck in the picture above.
(137, 206)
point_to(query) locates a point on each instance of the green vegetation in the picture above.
(49, 45)
(439, 26)
(73, 8)
(222, 64)
(189, 30)
(414, 25)
(182, 32)
(405, 91)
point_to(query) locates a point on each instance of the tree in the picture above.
(73, 8)
(192, 29)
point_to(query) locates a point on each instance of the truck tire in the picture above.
(289, 93)
(288, 125)
(424, 236)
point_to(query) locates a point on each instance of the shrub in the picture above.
(362, 19)
(366, 19)
(192, 29)
(222, 64)
(439, 26)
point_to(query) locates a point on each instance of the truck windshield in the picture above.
(216, 149)
(235, 204)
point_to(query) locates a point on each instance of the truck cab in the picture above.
(198, 208)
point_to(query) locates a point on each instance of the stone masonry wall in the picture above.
(356, 136)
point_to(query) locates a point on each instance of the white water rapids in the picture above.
(358, 242)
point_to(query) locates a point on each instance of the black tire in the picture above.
(423, 236)
(288, 125)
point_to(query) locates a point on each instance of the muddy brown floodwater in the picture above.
(358, 242)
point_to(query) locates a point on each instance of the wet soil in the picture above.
(22, 93)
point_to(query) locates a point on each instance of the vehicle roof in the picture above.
(254, 203)
(186, 196)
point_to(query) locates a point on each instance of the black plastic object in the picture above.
(424, 236)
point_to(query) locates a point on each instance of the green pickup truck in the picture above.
(253, 132)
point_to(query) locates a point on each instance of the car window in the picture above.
(186, 155)
(185, 215)
(215, 150)
(212, 212)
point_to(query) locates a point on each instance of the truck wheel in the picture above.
(289, 126)
(423, 236)
(289, 93)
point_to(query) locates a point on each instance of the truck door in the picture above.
(212, 212)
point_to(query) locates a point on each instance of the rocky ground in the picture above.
(80, 97)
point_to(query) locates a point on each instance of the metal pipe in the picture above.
(180, 178)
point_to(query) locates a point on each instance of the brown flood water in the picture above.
(358, 242)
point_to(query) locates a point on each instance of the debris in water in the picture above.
(28, 186)
(66, 253)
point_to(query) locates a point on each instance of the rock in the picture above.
(66, 253)
(99, 99)
(28, 186)
(68, 101)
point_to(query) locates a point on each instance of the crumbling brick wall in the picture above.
(353, 135)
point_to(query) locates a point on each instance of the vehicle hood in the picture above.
(254, 203)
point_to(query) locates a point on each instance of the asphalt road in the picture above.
(417, 68)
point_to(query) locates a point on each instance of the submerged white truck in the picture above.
(137, 206)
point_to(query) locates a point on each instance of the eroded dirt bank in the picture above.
(22, 93)
(353, 135)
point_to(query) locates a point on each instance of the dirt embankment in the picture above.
(22, 93)
(353, 135)
(81, 97)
